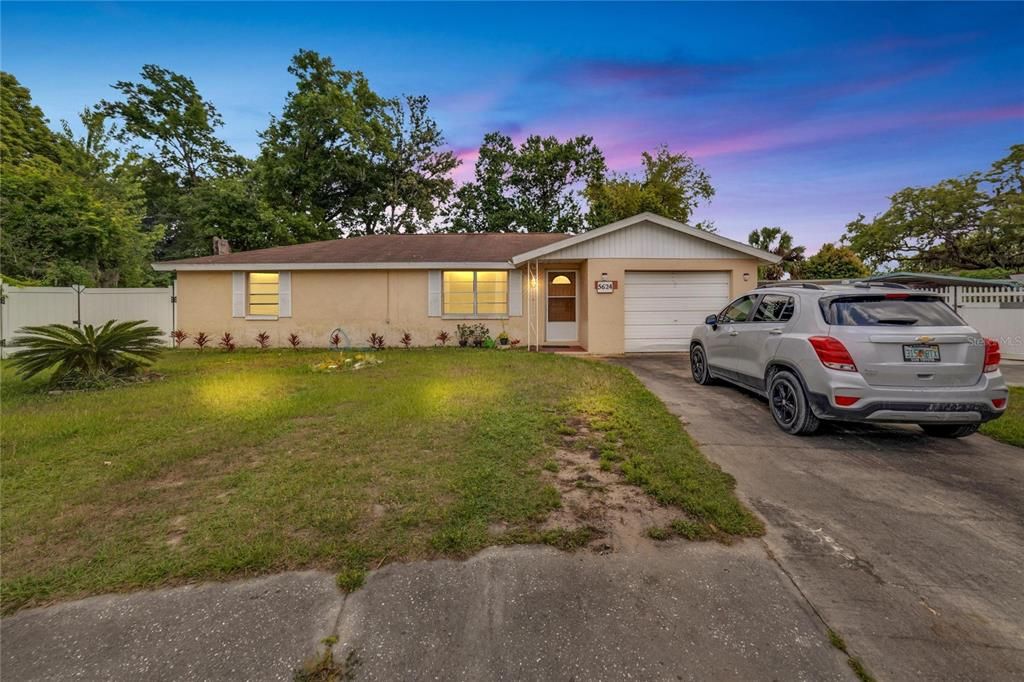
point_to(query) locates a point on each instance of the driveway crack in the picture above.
(836, 641)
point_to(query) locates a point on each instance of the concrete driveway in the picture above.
(912, 548)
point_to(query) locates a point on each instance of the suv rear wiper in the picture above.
(908, 321)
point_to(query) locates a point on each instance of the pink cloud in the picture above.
(623, 139)
(886, 81)
(838, 129)
(895, 43)
(468, 156)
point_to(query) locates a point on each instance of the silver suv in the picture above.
(860, 352)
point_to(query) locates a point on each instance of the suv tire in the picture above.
(949, 430)
(699, 366)
(788, 403)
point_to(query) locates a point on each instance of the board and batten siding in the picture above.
(645, 240)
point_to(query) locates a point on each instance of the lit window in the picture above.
(475, 293)
(264, 294)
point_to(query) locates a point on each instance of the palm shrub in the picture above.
(88, 356)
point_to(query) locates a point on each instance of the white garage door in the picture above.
(662, 308)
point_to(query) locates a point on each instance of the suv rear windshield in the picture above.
(913, 311)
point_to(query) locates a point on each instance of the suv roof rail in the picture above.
(884, 285)
(798, 285)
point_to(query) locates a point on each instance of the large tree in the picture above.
(834, 262)
(778, 241)
(172, 148)
(25, 130)
(166, 110)
(353, 161)
(534, 187)
(69, 215)
(234, 208)
(411, 175)
(316, 156)
(973, 222)
(672, 185)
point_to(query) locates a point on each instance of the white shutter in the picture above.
(237, 294)
(434, 293)
(284, 293)
(515, 293)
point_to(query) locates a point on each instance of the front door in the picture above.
(561, 306)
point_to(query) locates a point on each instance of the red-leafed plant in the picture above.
(227, 342)
(201, 340)
(178, 336)
(514, 342)
(376, 341)
(336, 340)
(443, 337)
(263, 339)
(406, 340)
(294, 341)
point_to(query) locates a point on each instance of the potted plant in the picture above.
(480, 334)
(465, 333)
(503, 338)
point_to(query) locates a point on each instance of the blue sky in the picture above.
(804, 114)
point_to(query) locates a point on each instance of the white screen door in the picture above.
(561, 306)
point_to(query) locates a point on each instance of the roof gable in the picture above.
(646, 235)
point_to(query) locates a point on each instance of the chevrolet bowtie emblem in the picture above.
(925, 339)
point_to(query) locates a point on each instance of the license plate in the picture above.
(924, 352)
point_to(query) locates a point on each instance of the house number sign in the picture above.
(605, 286)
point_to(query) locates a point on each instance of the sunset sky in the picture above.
(804, 114)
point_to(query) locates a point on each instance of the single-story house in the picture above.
(636, 285)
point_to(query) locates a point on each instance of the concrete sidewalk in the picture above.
(687, 611)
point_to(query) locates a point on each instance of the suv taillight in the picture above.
(992, 355)
(832, 353)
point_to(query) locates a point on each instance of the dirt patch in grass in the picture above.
(618, 513)
(595, 496)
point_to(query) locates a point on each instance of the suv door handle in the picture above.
(775, 331)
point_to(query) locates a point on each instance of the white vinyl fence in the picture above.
(77, 306)
(996, 312)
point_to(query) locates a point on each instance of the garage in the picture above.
(662, 308)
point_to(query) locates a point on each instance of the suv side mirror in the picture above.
(712, 320)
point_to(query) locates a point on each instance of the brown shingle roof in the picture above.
(404, 248)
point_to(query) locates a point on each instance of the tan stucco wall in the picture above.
(390, 302)
(606, 313)
(387, 302)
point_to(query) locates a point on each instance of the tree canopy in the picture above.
(672, 185)
(973, 222)
(69, 214)
(776, 240)
(534, 187)
(834, 262)
(166, 110)
(354, 161)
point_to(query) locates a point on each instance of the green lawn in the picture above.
(249, 462)
(1010, 427)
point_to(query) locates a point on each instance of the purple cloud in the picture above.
(653, 78)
